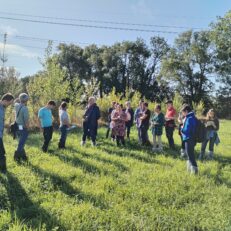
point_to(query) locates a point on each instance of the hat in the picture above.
(23, 97)
(169, 101)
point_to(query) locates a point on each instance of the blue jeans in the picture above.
(211, 144)
(23, 135)
(63, 136)
(189, 149)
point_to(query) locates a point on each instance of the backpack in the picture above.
(200, 132)
(14, 125)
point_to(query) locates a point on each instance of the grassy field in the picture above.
(111, 188)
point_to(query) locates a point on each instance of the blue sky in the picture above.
(24, 53)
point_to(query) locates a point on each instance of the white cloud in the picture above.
(12, 49)
(8, 29)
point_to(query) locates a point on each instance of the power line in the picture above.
(103, 22)
(89, 26)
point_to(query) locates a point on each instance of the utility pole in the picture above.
(3, 56)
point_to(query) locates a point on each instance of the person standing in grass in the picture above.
(188, 134)
(181, 122)
(157, 122)
(144, 124)
(5, 101)
(90, 121)
(22, 120)
(170, 123)
(45, 123)
(137, 114)
(130, 118)
(109, 118)
(212, 126)
(119, 118)
(64, 125)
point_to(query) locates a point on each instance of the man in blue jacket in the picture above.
(90, 121)
(188, 133)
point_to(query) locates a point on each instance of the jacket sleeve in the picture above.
(186, 130)
(217, 124)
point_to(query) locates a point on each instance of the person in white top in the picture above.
(64, 125)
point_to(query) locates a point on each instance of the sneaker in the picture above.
(210, 155)
(182, 153)
(82, 143)
(93, 144)
(154, 149)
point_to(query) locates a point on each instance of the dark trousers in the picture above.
(91, 132)
(120, 139)
(211, 144)
(47, 134)
(128, 128)
(108, 130)
(63, 136)
(182, 143)
(189, 149)
(169, 134)
(23, 135)
(144, 135)
(2, 155)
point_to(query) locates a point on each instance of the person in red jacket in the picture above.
(170, 123)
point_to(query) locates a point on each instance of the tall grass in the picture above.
(111, 188)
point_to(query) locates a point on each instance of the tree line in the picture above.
(197, 67)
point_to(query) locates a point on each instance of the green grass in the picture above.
(111, 188)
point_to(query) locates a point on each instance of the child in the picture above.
(188, 133)
(64, 125)
(157, 122)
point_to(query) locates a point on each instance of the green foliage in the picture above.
(114, 188)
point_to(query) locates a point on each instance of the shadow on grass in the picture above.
(24, 209)
(60, 183)
(218, 178)
(78, 162)
(95, 156)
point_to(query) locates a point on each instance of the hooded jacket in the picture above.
(189, 127)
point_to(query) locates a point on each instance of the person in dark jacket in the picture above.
(5, 101)
(129, 123)
(188, 133)
(90, 121)
(212, 126)
(109, 117)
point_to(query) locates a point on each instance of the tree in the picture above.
(188, 66)
(221, 37)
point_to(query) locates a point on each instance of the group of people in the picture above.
(120, 120)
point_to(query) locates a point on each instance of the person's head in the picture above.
(113, 104)
(23, 97)
(128, 104)
(51, 104)
(145, 105)
(7, 99)
(186, 109)
(157, 108)
(141, 102)
(63, 106)
(91, 100)
(119, 107)
(169, 104)
(211, 114)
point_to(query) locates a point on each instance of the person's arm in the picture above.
(26, 117)
(144, 116)
(217, 124)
